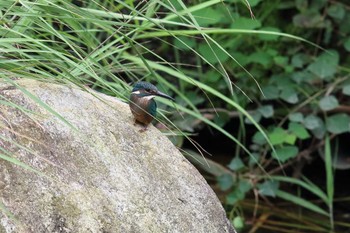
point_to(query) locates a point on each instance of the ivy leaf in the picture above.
(336, 11)
(325, 65)
(296, 117)
(339, 123)
(285, 153)
(269, 188)
(299, 60)
(254, 159)
(290, 139)
(266, 111)
(236, 164)
(270, 92)
(328, 103)
(289, 95)
(312, 122)
(225, 182)
(259, 138)
(319, 132)
(239, 192)
(277, 136)
(347, 44)
(298, 130)
(256, 116)
(346, 90)
(261, 58)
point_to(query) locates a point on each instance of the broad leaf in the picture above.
(285, 153)
(339, 123)
(328, 103)
(325, 65)
(299, 130)
(269, 188)
(236, 164)
(266, 111)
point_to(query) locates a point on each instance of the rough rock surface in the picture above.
(102, 175)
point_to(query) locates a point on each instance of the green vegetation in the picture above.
(276, 84)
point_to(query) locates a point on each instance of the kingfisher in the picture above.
(142, 103)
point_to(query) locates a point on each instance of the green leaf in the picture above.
(233, 197)
(255, 115)
(262, 58)
(346, 90)
(207, 16)
(277, 136)
(244, 186)
(328, 103)
(289, 95)
(269, 37)
(225, 182)
(259, 138)
(285, 153)
(266, 111)
(312, 122)
(301, 5)
(299, 60)
(212, 76)
(280, 60)
(270, 92)
(298, 130)
(336, 11)
(253, 3)
(184, 43)
(339, 123)
(347, 44)
(245, 23)
(268, 188)
(290, 139)
(221, 118)
(325, 65)
(239, 192)
(296, 117)
(236, 164)
(194, 97)
(208, 53)
(238, 222)
(304, 76)
(254, 159)
(319, 132)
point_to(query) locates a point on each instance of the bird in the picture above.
(142, 103)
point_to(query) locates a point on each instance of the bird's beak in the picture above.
(161, 94)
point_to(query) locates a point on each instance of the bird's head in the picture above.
(148, 91)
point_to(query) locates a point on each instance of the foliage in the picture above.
(305, 93)
(223, 66)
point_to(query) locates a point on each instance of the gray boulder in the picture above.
(97, 172)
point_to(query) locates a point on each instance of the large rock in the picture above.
(100, 174)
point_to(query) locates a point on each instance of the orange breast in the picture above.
(138, 107)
